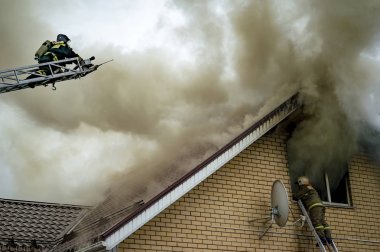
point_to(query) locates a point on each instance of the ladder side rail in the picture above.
(316, 236)
(56, 77)
(41, 80)
(8, 81)
(333, 245)
(11, 78)
(18, 68)
(47, 79)
(14, 72)
(15, 82)
(13, 75)
(10, 75)
(70, 60)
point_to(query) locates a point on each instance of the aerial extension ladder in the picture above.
(330, 246)
(61, 70)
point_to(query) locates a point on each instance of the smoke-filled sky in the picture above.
(187, 77)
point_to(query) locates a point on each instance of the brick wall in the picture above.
(215, 215)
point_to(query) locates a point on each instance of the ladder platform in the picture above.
(28, 77)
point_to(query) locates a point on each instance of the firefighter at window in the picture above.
(313, 203)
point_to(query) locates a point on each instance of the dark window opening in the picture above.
(337, 191)
(332, 189)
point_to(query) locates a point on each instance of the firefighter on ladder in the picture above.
(55, 51)
(312, 202)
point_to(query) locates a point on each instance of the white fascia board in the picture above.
(152, 211)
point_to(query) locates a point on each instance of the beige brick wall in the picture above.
(214, 215)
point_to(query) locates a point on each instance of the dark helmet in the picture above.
(63, 37)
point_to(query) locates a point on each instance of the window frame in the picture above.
(328, 191)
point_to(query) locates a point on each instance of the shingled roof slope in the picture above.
(40, 225)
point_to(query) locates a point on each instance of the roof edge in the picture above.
(43, 203)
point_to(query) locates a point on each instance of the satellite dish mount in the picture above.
(279, 212)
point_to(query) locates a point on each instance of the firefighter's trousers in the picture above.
(317, 216)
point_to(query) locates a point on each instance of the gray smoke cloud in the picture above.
(148, 117)
(339, 87)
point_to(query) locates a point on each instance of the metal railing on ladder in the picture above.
(30, 76)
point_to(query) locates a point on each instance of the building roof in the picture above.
(106, 226)
(28, 224)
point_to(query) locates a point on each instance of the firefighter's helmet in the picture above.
(63, 37)
(303, 181)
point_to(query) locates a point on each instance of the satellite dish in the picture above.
(279, 203)
(279, 211)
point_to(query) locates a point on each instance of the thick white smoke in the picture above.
(160, 108)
